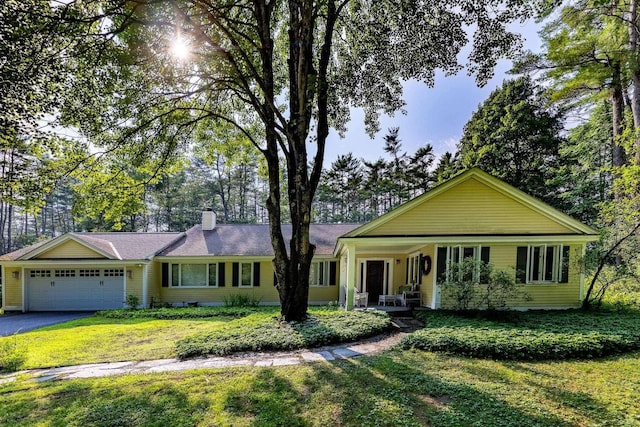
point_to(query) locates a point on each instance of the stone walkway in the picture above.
(343, 351)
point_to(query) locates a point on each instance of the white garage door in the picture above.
(74, 289)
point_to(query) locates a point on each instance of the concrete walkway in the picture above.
(329, 353)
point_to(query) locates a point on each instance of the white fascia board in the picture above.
(390, 242)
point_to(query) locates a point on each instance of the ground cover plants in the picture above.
(529, 335)
(263, 332)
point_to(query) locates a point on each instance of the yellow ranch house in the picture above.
(398, 258)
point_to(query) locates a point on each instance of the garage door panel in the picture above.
(70, 289)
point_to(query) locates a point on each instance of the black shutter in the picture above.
(441, 264)
(406, 272)
(333, 269)
(220, 274)
(256, 274)
(521, 264)
(165, 274)
(484, 254)
(564, 276)
(484, 257)
(420, 268)
(235, 274)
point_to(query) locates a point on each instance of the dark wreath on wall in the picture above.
(426, 264)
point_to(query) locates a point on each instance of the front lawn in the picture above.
(122, 335)
(398, 388)
(531, 335)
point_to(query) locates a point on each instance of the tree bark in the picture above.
(635, 76)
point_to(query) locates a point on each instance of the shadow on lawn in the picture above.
(81, 403)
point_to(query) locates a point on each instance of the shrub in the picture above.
(262, 332)
(473, 284)
(185, 312)
(530, 336)
(241, 300)
(132, 301)
(12, 355)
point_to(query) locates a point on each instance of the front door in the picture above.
(375, 280)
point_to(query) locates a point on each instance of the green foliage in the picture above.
(132, 301)
(12, 354)
(620, 295)
(264, 332)
(185, 312)
(241, 300)
(515, 136)
(474, 284)
(530, 336)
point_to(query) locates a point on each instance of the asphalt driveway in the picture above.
(18, 323)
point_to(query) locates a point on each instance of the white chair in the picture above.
(360, 299)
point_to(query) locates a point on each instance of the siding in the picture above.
(543, 295)
(134, 284)
(469, 208)
(12, 288)
(267, 293)
(70, 250)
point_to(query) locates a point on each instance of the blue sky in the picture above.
(434, 115)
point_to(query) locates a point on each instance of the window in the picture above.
(450, 255)
(89, 273)
(194, 275)
(40, 273)
(319, 274)
(414, 275)
(542, 264)
(65, 273)
(246, 274)
(113, 272)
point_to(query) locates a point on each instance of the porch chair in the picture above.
(360, 299)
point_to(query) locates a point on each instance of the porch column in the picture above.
(351, 275)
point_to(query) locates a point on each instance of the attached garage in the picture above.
(62, 289)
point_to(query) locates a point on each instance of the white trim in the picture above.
(64, 238)
(434, 269)
(387, 273)
(145, 285)
(584, 252)
(490, 181)
(4, 286)
(24, 290)
(207, 275)
(124, 284)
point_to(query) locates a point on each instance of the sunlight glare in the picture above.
(179, 49)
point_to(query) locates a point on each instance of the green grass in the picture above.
(123, 335)
(398, 388)
(98, 339)
(529, 335)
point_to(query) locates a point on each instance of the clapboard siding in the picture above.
(12, 287)
(70, 250)
(469, 208)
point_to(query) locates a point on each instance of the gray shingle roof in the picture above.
(250, 240)
(224, 240)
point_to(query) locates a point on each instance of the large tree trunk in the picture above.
(617, 113)
(635, 75)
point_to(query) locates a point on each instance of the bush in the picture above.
(263, 332)
(185, 312)
(473, 284)
(531, 336)
(132, 301)
(12, 355)
(241, 300)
